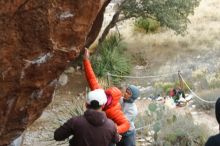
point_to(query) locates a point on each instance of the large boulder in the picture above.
(38, 39)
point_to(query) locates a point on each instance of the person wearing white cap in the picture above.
(91, 129)
(97, 95)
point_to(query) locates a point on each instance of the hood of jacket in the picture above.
(115, 94)
(96, 118)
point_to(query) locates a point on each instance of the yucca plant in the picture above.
(111, 58)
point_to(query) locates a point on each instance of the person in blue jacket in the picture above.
(130, 110)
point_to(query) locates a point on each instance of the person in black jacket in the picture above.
(91, 129)
(215, 140)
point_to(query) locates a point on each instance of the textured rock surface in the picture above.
(38, 38)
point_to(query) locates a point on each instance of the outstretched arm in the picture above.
(90, 75)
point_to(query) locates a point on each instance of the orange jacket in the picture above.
(113, 110)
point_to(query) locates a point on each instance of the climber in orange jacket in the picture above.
(112, 107)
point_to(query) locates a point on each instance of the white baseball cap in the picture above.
(98, 95)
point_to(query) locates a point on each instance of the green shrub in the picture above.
(171, 128)
(165, 87)
(111, 58)
(182, 131)
(148, 25)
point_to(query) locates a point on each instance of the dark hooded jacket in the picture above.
(91, 129)
(213, 141)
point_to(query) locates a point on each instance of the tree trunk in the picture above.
(113, 22)
(38, 39)
(97, 25)
(109, 27)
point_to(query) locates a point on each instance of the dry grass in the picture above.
(209, 95)
(202, 36)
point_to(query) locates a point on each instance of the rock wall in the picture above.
(38, 39)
